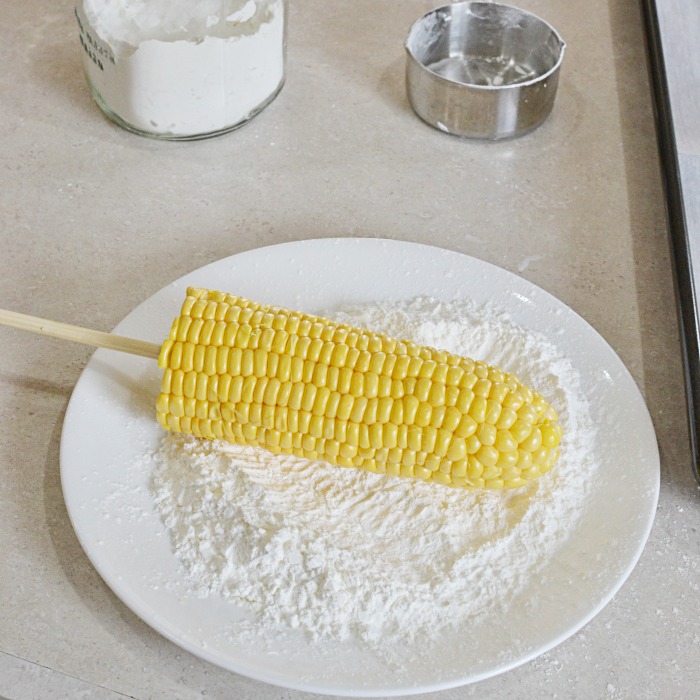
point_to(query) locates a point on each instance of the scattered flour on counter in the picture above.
(343, 553)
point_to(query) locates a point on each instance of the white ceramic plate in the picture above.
(110, 423)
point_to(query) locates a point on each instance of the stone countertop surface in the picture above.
(94, 220)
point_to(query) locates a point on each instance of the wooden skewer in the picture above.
(65, 331)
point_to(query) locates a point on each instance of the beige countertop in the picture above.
(94, 220)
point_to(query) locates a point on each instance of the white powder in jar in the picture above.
(342, 553)
(178, 69)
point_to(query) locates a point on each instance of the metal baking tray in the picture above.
(674, 64)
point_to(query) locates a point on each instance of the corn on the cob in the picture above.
(301, 385)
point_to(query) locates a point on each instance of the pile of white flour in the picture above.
(343, 553)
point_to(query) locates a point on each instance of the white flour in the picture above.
(182, 69)
(343, 553)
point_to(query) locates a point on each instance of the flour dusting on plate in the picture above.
(342, 553)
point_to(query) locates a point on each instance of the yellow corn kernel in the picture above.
(467, 426)
(481, 369)
(304, 418)
(357, 384)
(230, 388)
(514, 400)
(315, 348)
(255, 414)
(271, 391)
(308, 396)
(499, 390)
(266, 337)
(469, 378)
(414, 438)
(359, 357)
(442, 443)
(339, 354)
(426, 369)
(478, 409)
(436, 395)
(402, 436)
(520, 430)
(284, 393)
(332, 378)
(533, 441)
(474, 467)
(457, 450)
(242, 412)
(307, 372)
(328, 428)
(296, 396)
(422, 389)
(487, 434)
(344, 380)
(389, 363)
(280, 421)
(396, 414)
(363, 442)
(482, 388)
(540, 456)
(451, 419)
(505, 442)
(267, 417)
(376, 435)
(550, 436)
(371, 384)
(437, 416)
(345, 406)
(527, 413)
(243, 335)
(296, 370)
(429, 439)
(410, 408)
(201, 388)
(326, 353)
(316, 424)
(396, 389)
(259, 391)
(494, 484)
(473, 444)
(432, 462)
(423, 414)
(212, 387)
(210, 360)
(205, 334)
(493, 411)
(321, 401)
(370, 415)
(384, 385)
(384, 406)
(506, 419)
(187, 357)
(358, 409)
(401, 367)
(332, 405)
(459, 468)
(389, 435)
(246, 362)
(272, 364)
(301, 347)
(507, 459)
(487, 455)
(353, 434)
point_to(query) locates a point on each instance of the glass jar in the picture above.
(174, 69)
